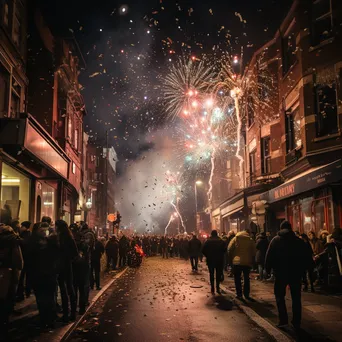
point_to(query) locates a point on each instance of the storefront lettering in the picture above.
(285, 191)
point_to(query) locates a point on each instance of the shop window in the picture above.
(307, 214)
(266, 155)
(250, 110)
(48, 201)
(4, 91)
(322, 21)
(294, 216)
(289, 51)
(293, 136)
(15, 193)
(327, 116)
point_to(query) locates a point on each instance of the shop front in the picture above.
(311, 200)
(33, 167)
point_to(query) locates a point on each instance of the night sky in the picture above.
(128, 48)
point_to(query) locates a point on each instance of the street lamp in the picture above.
(198, 182)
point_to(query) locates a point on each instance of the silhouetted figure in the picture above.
(194, 250)
(213, 250)
(289, 258)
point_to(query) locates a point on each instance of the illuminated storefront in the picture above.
(15, 193)
(310, 199)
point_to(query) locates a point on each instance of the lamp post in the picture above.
(198, 182)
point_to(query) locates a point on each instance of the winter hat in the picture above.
(286, 225)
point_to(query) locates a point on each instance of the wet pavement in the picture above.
(163, 301)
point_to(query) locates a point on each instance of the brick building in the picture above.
(292, 127)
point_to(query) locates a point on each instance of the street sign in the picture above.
(111, 217)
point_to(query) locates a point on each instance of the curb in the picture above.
(65, 335)
(277, 334)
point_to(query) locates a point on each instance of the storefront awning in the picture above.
(306, 181)
(232, 208)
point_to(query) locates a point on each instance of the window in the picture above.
(250, 110)
(293, 136)
(266, 155)
(289, 52)
(263, 86)
(15, 105)
(73, 168)
(69, 127)
(4, 91)
(76, 139)
(16, 35)
(252, 166)
(5, 12)
(322, 22)
(327, 117)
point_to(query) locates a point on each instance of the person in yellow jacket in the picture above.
(241, 254)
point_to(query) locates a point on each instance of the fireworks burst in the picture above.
(187, 82)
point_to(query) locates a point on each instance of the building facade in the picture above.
(41, 124)
(292, 159)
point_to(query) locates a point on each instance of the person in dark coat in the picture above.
(123, 250)
(85, 244)
(289, 258)
(310, 272)
(194, 251)
(24, 286)
(112, 250)
(43, 260)
(213, 250)
(11, 262)
(261, 249)
(68, 253)
(95, 268)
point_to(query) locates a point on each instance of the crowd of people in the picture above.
(47, 259)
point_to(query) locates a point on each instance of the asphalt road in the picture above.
(163, 301)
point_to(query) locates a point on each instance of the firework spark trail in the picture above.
(180, 216)
(168, 225)
(238, 137)
(209, 193)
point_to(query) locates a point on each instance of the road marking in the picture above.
(64, 335)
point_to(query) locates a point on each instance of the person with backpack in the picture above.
(11, 262)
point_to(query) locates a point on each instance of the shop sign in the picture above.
(307, 181)
(41, 148)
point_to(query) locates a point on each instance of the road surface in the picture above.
(163, 301)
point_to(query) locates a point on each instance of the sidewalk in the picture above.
(322, 314)
(25, 326)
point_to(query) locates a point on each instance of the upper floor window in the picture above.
(4, 91)
(293, 135)
(250, 110)
(16, 33)
(289, 51)
(322, 21)
(266, 155)
(327, 117)
(5, 12)
(69, 127)
(252, 165)
(76, 139)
